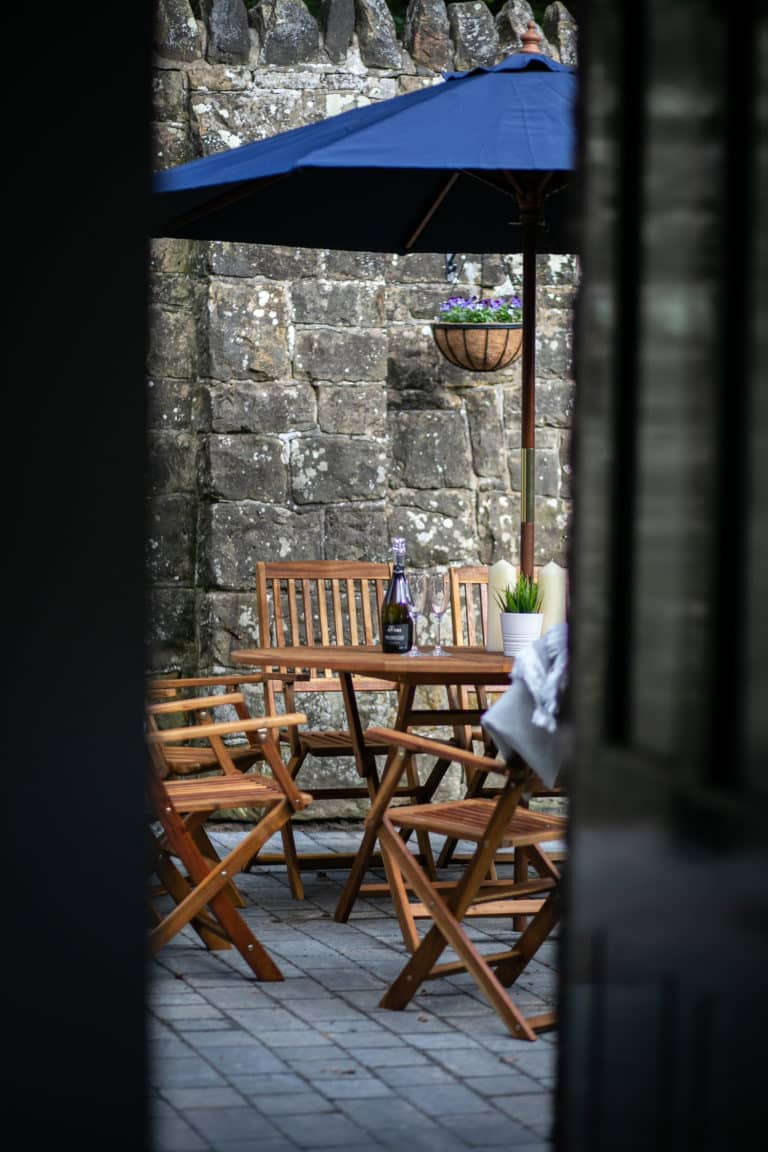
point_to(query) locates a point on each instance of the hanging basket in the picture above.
(479, 347)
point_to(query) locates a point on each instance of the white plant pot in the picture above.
(519, 629)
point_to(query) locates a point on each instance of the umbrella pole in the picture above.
(529, 218)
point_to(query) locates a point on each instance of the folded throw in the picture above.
(524, 719)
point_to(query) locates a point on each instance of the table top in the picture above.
(460, 665)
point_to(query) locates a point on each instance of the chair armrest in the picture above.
(438, 748)
(229, 679)
(224, 728)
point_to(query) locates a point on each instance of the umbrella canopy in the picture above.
(477, 163)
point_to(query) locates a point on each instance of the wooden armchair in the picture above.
(192, 884)
(490, 823)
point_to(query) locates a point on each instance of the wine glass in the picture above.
(439, 597)
(417, 584)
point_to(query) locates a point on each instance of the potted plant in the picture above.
(481, 335)
(521, 615)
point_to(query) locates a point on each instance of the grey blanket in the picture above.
(525, 718)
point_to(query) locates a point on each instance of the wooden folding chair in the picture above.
(189, 874)
(322, 602)
(469, 614)
(491, 823)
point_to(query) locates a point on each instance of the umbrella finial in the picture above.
(531, 38)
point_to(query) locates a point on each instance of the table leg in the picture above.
(392, 773)
(364, 758)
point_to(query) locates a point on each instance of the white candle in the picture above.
(500, 575)
(552, 588)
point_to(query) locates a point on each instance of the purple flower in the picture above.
(490, 310)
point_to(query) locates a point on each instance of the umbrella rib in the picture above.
(240, 192)
(426, 219)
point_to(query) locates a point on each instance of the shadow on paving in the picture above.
(313, 1063)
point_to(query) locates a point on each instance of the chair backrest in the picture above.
(469, 603)
(311, 602)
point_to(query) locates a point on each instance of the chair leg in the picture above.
(445, 931)
(422, 838)
(291, 861)
(520, 873)
(178, 887)
(206, 847)
(210, 889)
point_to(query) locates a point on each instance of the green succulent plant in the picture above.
(523, 596)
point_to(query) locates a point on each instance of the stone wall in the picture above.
(297, 404)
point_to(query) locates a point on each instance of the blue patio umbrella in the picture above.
(479, 162)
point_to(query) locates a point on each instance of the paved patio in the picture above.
(313, 1064)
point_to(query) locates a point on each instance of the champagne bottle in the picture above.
(396, 622)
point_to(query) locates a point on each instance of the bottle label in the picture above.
(396, 637)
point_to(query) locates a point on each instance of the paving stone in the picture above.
(312, 1063)
(223, 1124)
(219, 1097)
(327, 1131)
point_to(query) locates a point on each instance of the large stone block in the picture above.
(171, 631)
(430, 450)
(352, 409)
(406, 303)
(413, 370)
(227, 620)
(564, 450)
(243, 467)
(328, 469)
(554, 347)
(168, 96)
(554, 403)
(499, 528)
(274, 406)
(325, 354)
(247, 331)
(171, 405)
(288, 33)
(171, 539)
(207, 78)
(172, 349)
(511, 25)
(335, 264)
(227, 24)
(439, 527)
(273, 263)
(337, 24)
(221, 120)
(234, 536)
(560, 29)
(336, 302)
(426, 34)
(474, 34)
(175, 257)
(418, 267)
(498, 523)
(357, 532)
(486, 430)
(377, 35)
(178, 292)
(171, 462)
(175, 34)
